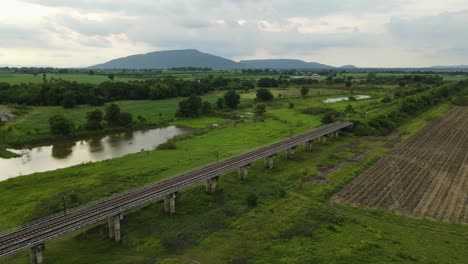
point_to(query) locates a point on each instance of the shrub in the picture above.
(60, 125)
(170, 144)
(251, 200)
(264, 94)
(231, 99)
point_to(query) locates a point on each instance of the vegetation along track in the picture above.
(425, 176)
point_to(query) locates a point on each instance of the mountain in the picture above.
(170, 59)
(348, 67)
(284, 64)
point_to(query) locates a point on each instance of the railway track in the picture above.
(45, 229)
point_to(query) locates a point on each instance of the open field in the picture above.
(426, 176)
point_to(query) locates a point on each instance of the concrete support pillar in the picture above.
(36, 254)
(308, 146)
(244, 172)
(269, 161)
(169, 203)
(337, 133)
(324, 139)
(291, 152)
(110, 223)
(211, 185)
(117, 219)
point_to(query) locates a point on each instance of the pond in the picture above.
(339, 99)
(68, 153)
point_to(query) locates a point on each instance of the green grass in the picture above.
(18, 78)
(292, 222)
(34, 127)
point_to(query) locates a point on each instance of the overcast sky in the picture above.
(366, 33)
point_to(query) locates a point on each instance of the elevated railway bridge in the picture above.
(33, 235)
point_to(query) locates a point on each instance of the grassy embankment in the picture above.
(222, 227)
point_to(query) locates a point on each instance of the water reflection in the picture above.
(339, 99)
(68, 153)
(61, 150)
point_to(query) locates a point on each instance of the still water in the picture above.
(68, 153)
(339, 99)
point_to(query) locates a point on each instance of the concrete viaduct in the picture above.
(34, 235)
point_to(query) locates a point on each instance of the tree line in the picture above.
(68, 94)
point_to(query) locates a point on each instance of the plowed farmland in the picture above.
(425, 176)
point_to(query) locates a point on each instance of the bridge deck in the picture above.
(48, 228)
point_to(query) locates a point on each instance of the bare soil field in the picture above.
(425, 176)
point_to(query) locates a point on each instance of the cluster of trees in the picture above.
(193, 106)
(373, 78)
(409, 106)
(68, 94)
(95, 120)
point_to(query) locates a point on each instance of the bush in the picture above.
(170, 144)
(190, 107)
(251, 200)
(126, 119)
(260, 109)
(60, 125)
(206, 107)
(330, 117)
(231, 99)
(94, 120)
(317, 110)
(112, 115)
(386, 99)
(264, 94)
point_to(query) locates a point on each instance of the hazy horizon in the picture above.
(364, 33)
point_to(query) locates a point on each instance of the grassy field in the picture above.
(33, 126)
(292, 221)
(17, 78)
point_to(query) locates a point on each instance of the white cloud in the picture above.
(362, 32)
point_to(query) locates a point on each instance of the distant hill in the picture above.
(348, 67)
(450, 67)
(170, 59)
(284, 64)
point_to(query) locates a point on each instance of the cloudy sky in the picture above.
(366, 33)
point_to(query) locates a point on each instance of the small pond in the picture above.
(339, 99)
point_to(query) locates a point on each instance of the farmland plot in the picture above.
(425, 176)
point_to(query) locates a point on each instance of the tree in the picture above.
(231, 99)
(220, 103)
(304, 91)
(264, 94)
(260, 109)
(111, 76)
(112, 115)
(348, 83)
(190, 107)
(330, 117)
(206, 107)
(60, 125)
(349, 109)
(68, 100)
(94, 120)
(125, 119)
